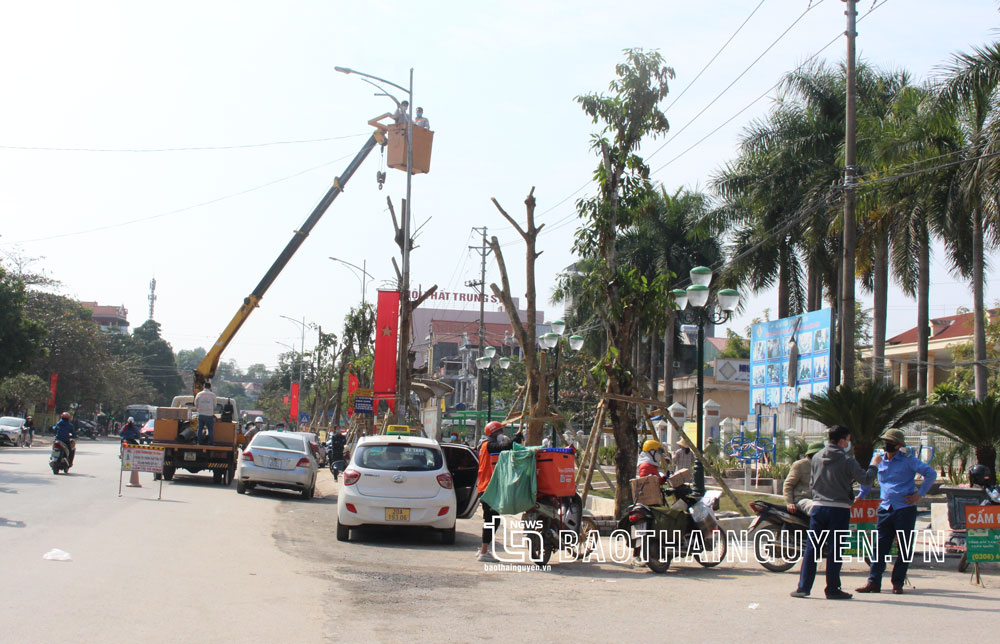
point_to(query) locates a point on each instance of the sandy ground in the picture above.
(207, 564)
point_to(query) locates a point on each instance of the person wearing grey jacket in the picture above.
(834, 471)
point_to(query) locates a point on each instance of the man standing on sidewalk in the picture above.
(834, 471)
(897, 514)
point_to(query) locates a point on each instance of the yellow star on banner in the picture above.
(387, 331)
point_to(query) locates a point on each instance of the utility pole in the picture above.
(483, 250)
(850, 224)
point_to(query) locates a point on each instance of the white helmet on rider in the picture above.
(258, 419)
(131, 419)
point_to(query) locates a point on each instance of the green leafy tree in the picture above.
(20, 336)
(867, 410)
(736, 346)
(975, 424)
(189, 359)
(158, 365)
(19, 394)
(624, 299)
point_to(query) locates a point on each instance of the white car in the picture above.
(407, 481)
(278, 459)
(10, 431)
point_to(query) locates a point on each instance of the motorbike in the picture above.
(61, 457)
(980, 476)
(87, 432)
(552, 517)
(777, 535)
(338, 464)
(691, 518)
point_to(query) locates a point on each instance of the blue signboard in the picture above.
(770, 346)
(362, 404)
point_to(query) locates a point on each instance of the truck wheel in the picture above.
(227, 479)
(168, 473)
(217, 476)
(343, 532)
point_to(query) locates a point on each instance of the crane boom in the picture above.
(208, 365)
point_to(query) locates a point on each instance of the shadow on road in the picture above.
(8, 523)
(16, 478)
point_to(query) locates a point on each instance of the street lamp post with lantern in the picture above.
(693, 307)
(551, 341)
(486, 362)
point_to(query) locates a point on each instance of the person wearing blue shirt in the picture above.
(130, 432)
(897, 513)
(65, 433)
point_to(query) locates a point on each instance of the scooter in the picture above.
(980, 475)
(87, 432)
(778, 535)
(553, 516)
(692, 519)
(61, 457)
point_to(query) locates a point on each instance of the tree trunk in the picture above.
(653, 346)
(340, 391)
(669, 333)
(784, 306)
(814, 296)
(880, 295)
(978, 308)
(923, 313)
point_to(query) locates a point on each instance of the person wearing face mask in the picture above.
(834, 471)
(897, 513)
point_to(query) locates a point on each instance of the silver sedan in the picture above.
(280, 460)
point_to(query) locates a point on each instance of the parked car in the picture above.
(11, 431)
(409, 481)
(319, 453)
(146, 432)
(278, 460)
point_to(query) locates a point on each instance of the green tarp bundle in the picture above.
(514, 485)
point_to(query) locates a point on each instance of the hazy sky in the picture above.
(95, 93)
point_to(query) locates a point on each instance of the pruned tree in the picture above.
(536, 384)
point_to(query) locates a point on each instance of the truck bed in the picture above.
(192, 446)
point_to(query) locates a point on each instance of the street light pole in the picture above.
(364, 273)
(303, 349)
(403, 355)
(702, 312)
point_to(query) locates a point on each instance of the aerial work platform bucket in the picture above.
(422, 141)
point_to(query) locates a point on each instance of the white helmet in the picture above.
(131, 420)
(258, 419)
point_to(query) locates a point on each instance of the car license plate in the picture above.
(190, 456)
(397, 514)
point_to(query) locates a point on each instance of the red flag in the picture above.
(295, 405)
(352, 386)
(386, 327)
(53, 381)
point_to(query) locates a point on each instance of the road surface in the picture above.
(206, 564)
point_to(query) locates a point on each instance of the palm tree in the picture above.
(969, 88)
(867, 410)
(975, 424)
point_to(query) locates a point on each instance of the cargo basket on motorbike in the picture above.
(669, 521)
(556, 471)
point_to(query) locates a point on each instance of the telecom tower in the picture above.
(152, 296)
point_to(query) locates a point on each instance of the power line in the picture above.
(735, 80)
(243, 146)
(184, 209)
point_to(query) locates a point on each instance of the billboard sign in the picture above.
(770, 351)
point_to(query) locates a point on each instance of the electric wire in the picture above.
(191, 148)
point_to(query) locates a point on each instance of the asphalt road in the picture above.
(206, 564)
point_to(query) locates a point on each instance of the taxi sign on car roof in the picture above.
(399, 430)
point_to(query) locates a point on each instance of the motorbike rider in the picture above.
(258, 424)
(337, 443)
(798, 483)
(493, 443)
(65, 434)
(29, 432)
(130, 436)
(652, 453)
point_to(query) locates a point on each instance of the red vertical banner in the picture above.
(386, 330)
(53, 382)
(295, 405)
(352, 386)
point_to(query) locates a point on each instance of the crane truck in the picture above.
(175, 427)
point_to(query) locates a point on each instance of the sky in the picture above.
(186, 141)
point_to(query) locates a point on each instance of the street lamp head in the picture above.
(483, 362)
(701, 275)
(697, 295)
(680, 299)
(728, 300)
(558, 327)
(550, 340)
(504, 363)
(576, 342)
(489, 352)
(344, 70)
